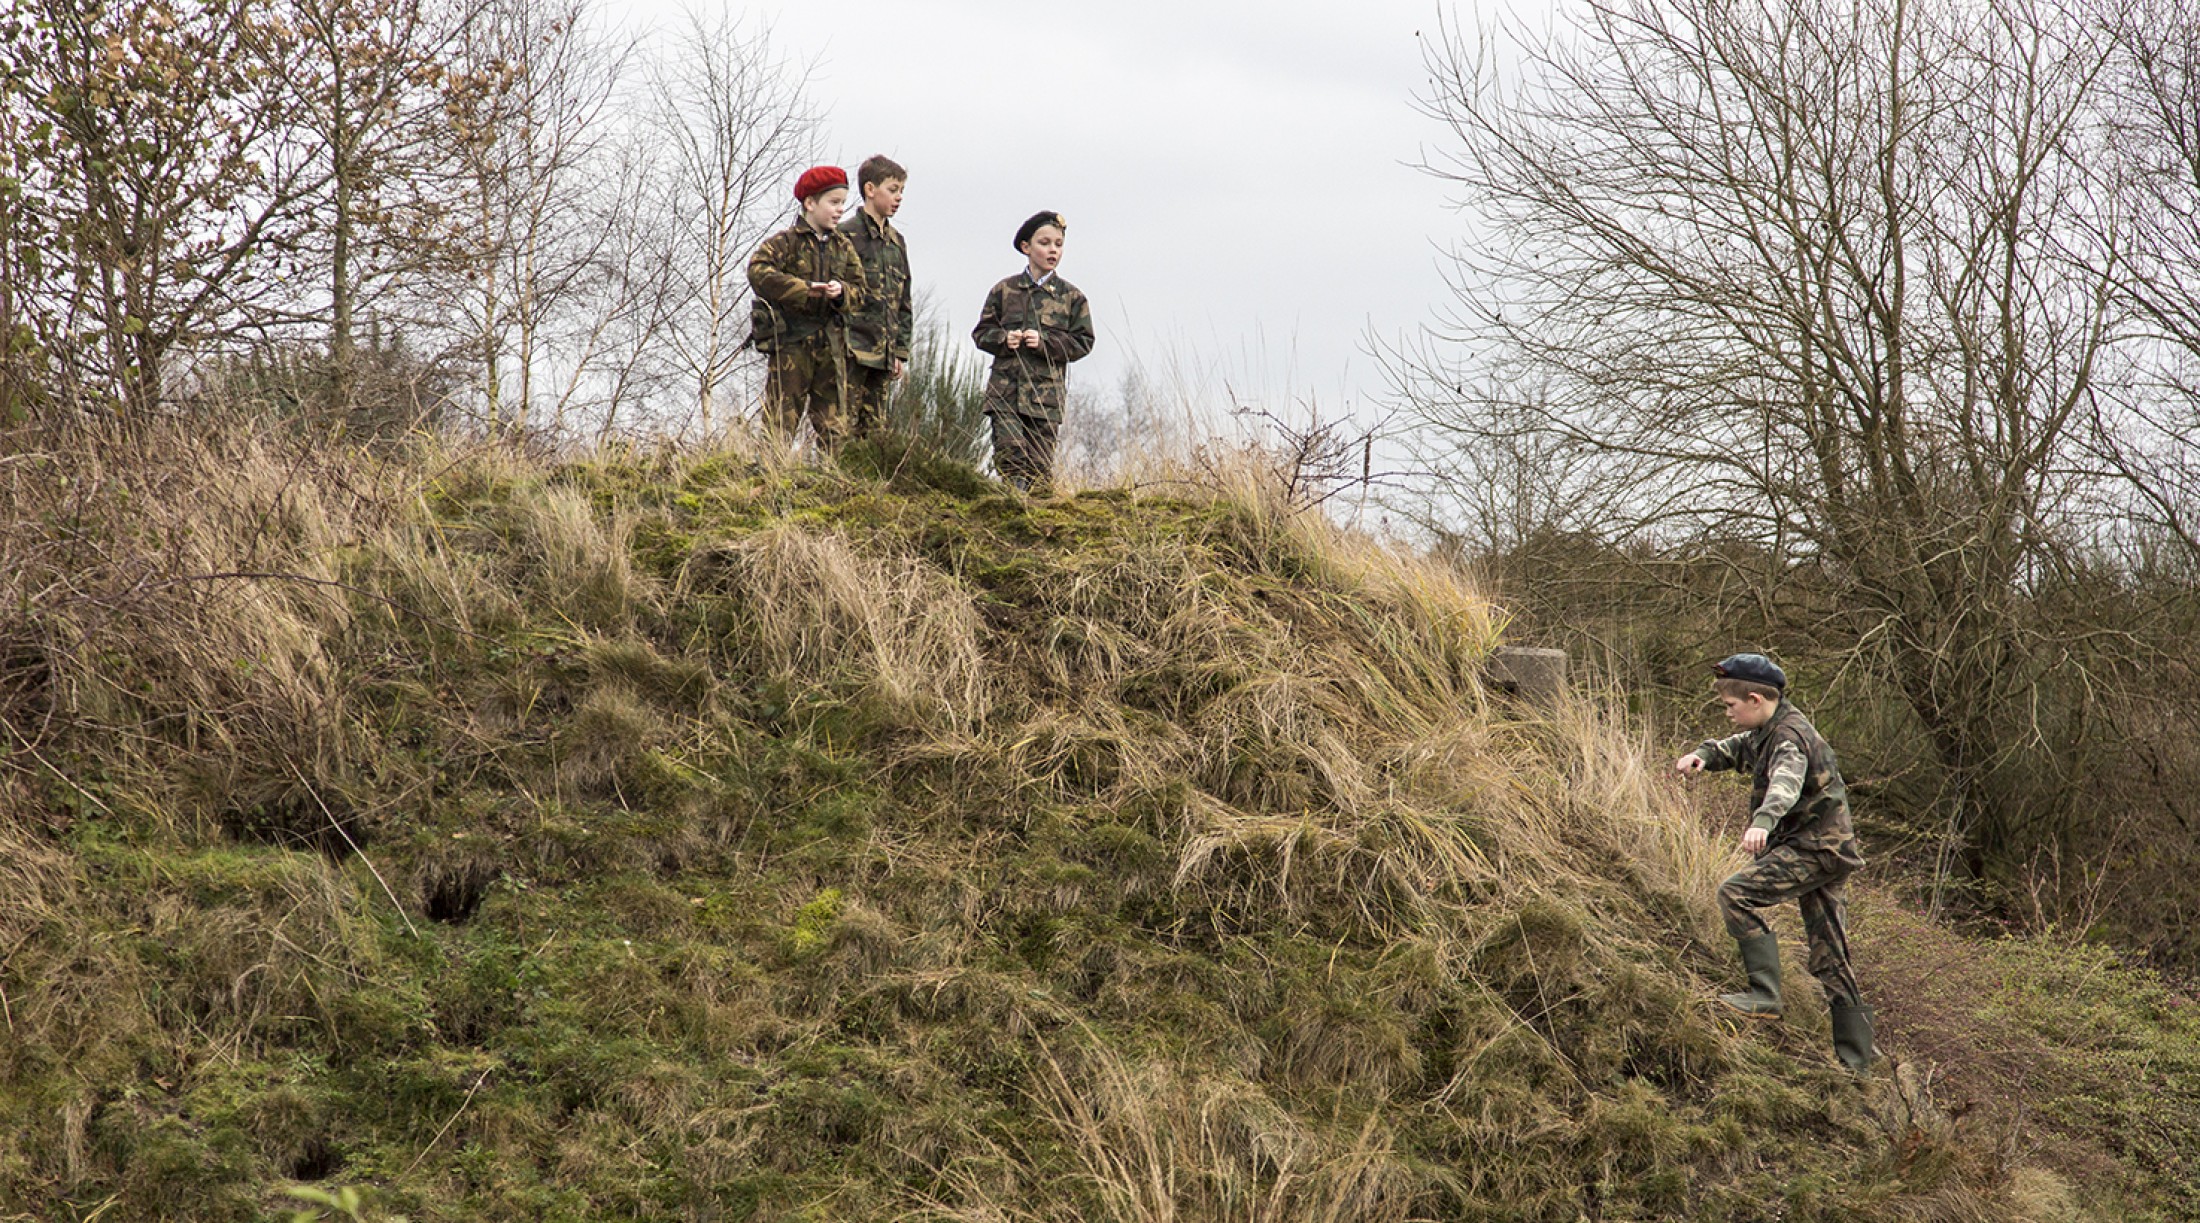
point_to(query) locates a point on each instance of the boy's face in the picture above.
(1748, 712)
(1044, 249)
(824, 209)
(883, 199)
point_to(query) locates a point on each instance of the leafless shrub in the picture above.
(1819, 345)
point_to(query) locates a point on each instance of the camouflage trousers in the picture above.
(806, 380)
(1814, 880)
(1023, 448)
(869, 390)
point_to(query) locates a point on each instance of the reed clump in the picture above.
(682, 834)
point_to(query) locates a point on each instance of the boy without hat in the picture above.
(807, 278)
(1034, 324)
(880, 332)
(1800, 838)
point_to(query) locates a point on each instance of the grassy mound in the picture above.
(688, 836)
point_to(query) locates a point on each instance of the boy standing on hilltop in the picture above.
(879, 333)
(807, 278)
(1033, 324)
(1800, 837)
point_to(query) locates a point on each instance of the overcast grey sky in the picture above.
(1236, 175)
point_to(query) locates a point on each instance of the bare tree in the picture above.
(23, 242)
(368, 90)
(2157, 121)
(1823, 279)
(161, 165)
(532, 120)
(735, 126)
(624, 319)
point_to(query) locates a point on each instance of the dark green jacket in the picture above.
(1033, 381)
(1816, 814)
(781, 272)
(879, 333)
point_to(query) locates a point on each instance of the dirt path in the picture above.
(1963, 1013)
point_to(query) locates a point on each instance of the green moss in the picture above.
(813, 924)
(719, 940)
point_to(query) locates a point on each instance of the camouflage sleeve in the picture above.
(1724, 753)
(905, 330)
(1784, 784)
(1073, 340)
(855, 289)
(989, 335)
(775, 284)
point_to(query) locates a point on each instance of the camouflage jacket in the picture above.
(1031, 381)
(781, 272)
(879, 333)
(1796, 791)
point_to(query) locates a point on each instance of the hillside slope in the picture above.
(685, 836)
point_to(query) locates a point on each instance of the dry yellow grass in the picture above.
(701, 833)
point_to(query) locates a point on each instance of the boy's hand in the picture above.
(899, 365)
(834, 288)
(819, 288)
(1753, 842)
(1691, 763)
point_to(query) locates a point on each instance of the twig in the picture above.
(251, 575)
(65, 779)
(338, 825)
(448, 1124)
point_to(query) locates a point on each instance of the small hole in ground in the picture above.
(453, 894)
(317, 1162)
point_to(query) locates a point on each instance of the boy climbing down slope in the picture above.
(1033, 324)
(1799, 835)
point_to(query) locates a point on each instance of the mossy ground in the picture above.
(695, 836)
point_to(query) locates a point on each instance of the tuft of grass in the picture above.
(699, 834)
(940, 398)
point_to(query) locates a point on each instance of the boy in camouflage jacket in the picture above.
(879, 333)
(1803, 847)
(1033, 325)
(806, 279)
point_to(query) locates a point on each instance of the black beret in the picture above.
(1030, 227)
(1755, 668)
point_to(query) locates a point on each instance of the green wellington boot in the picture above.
(1761, 960)
(1852, 1036)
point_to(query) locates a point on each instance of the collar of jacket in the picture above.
(877, 228)
(1781, 714)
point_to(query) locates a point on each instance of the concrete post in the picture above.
(1535, 675)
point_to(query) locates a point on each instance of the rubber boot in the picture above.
(1761, 960)
(1852, 1036)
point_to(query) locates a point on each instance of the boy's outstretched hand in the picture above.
(1753, 841)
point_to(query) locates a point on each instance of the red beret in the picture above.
(817, 180)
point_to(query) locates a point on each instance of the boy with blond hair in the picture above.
(1801, 842)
